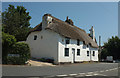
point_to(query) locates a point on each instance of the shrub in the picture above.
(7, 42)
(22, 49)
(13, 60)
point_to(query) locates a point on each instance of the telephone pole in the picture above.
(99, 48)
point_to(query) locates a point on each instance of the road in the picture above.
(62, 71)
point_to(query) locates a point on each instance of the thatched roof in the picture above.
(67, 30)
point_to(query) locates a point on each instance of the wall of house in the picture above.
(94, 58)
(45, 45)
(73, 44)
(52, 45)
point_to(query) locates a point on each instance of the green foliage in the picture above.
(16, 22)
(14, 60)
(8, 39)
(7, 42)
(104, 54)
(23, 50)
(111, 48)
(10, 46)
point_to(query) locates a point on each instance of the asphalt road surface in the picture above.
(106, 70)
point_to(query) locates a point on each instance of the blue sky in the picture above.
(102, 15)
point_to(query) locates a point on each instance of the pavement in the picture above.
(39, 63)
(93, 70)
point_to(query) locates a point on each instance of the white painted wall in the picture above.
(73, 44)
(45, 47)
(94, 58)
(52, 45)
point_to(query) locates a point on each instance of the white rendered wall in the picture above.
(73, 44)
(53, 45)
(44, 47)
(94, 58)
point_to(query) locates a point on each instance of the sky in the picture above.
(103, 16)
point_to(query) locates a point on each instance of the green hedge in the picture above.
(10, 46)
(23, 50)
(15, 60)
(7, 42)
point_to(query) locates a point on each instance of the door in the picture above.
(73, 55)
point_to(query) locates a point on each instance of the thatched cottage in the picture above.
(62, 41)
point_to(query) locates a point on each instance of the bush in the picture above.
(7, 42)
(14, 60)
(10, 46)
(22, 49)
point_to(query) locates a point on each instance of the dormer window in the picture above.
(78, 42)
(87, 46)
(84, 42)
(67, 40)
(84, 46)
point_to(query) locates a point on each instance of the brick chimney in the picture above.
(92, 33)
(69, 21)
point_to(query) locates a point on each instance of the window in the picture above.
(67, 40)
(87, 53)
(93, 53)
(35, 37)
(87, 46)
(83, 42)
(66, 51)
(84, 47)
(78, 52)
(78, 42)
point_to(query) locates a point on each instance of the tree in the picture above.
(112, 48)
(16, 22)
